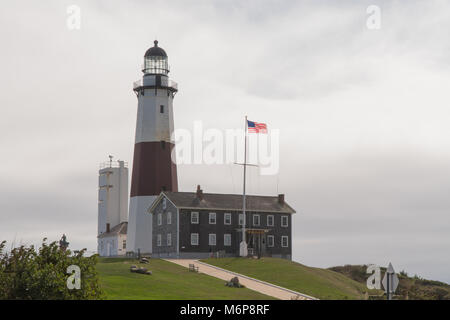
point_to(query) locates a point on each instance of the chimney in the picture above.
(199, 193)
(107, 227)
(281, 199)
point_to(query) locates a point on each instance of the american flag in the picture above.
(256, 127)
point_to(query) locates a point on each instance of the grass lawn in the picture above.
(319, 283)
(168, 282)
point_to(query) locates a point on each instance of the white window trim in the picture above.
(287, 241)
(209, 239)
(259, 220)
(169, 240)
(287, 221)
(273, 220)
(212, 214)
(158, 240)
(159, 218)
(241, 216)
(195, 213)
(198, 240)
(169, 217)
(224, 241)
(164, 203)
(225, 218)
(273, 241)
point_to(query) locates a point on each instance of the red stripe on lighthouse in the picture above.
(153, 169)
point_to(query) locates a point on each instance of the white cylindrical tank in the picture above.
(112, 195)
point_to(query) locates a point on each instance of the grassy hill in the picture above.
(319, 283)
(168, 281)
(415, 287)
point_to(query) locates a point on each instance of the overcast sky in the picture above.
(363, 115)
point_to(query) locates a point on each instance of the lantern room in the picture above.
(155, 61)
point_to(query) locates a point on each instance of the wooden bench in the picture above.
(193, 268)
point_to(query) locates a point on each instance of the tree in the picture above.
(29, 274)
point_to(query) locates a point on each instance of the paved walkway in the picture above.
(251, 283)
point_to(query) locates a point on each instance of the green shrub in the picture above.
(27, 273)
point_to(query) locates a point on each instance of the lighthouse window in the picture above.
(161, 109)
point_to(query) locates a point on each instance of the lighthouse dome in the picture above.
(155, 51)
(155, 61)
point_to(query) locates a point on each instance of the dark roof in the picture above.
(155, 51)
(219, 201)
(121, 228)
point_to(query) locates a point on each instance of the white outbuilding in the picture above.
(112, 208)
(113, 242)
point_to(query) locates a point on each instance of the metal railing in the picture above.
(113, 164)
(169, 84)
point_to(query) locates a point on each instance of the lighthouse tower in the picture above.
(153, 168)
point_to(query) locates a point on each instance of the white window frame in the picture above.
(212, 236)
(273, 220)
(285, 218)
(212, 214)
(159, 218)
(158, 240)
(241, 219)
(195, 214)
(287, 241)
(169, 240)
(164, 203)
(169, 217)
(225, 243)
(225, 215)
(124, 244)
(273, 241)
(259, 220)
(195, 243)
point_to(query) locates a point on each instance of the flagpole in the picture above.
(245, 171)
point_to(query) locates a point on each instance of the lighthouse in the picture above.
(153, 169)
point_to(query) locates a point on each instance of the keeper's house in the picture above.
(199, 225)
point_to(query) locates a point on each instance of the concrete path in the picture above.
(250, 283)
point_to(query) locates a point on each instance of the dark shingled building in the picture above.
(199, 225)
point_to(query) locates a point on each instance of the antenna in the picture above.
(110, 160)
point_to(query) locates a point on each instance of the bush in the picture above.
(29, 274)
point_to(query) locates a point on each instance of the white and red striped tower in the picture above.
(153, 169)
